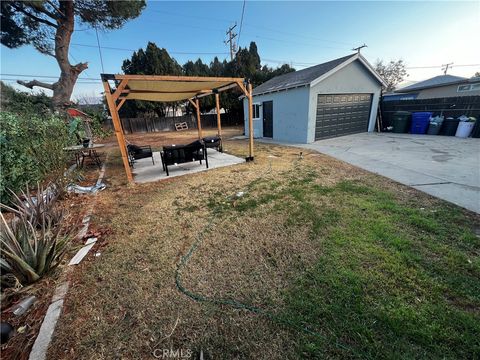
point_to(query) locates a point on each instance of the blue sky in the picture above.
(299, 33)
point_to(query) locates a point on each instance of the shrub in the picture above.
(39, 208)
(31, 150)
(98, 126)
(30, 253)
(20, 102)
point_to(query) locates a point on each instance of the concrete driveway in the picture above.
(443, 166)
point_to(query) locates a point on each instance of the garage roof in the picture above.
(307, 76)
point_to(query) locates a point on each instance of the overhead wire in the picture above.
(99, 50)
(299, 63)
(170, 52)
(241, 23)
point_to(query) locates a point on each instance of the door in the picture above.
(342, 114)
(267, 119)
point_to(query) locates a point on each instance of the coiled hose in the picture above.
(231, 302)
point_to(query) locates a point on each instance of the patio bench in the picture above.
(214, 142)
(136, 152)
(180, 154)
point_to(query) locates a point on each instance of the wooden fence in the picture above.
(156, 124)
(452, 106)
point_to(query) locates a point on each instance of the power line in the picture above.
(75, 59)
(99, 50)
(95, 80)
(439, 66)
(298, 35)
(241, 22)
(300, 43)
(192, 16)
(170, 52)
(45, 76)
(77, 82)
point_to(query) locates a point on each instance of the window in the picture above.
(469, 87)
(462, 88)
(256, 111)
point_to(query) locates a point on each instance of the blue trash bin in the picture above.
(420, 121)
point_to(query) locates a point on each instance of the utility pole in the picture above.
(445, 67)
(231, 36)
(357, 49)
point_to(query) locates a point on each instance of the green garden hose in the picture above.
(231, 302)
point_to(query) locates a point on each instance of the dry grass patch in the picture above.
(295, 214)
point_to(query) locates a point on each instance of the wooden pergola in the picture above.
(167, 89)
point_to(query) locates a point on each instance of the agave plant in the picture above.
(29, 253)
(37, 208)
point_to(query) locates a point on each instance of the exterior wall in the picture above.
(290, 115)
(445, 91)
(353, 78)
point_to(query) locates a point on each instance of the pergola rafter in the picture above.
(168, 89)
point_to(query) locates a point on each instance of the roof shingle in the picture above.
(439, 80)
(300, 77)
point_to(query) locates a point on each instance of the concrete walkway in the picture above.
(144, 171)
(443, 166)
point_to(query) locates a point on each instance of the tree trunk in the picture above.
(63, 88)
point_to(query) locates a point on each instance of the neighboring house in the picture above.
(441, 86)
(332, 99)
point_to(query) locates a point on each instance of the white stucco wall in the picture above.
(290, 115)
(353, 78)
(295, 110)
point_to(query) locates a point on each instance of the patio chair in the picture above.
(214, 142)
(180, 154)
(136, 152)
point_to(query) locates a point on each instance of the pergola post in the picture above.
(117, 125)
(250, 122)
(199, 121)
(219, 119)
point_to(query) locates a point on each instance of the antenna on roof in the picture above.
(357, 49)
(445, 67)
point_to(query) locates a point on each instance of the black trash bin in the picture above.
(449, 127)
(435, 125)
(434, 128)
(401, 122)
(476, 130)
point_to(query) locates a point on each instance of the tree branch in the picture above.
(41, 9)
(80, 67)
(36, 18)
(33, 83)
(56, 8)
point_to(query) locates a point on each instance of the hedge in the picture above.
(31, 150)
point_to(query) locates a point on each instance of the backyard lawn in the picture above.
(288, 257)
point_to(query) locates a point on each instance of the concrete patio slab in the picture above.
(446, 167)
(144, 171)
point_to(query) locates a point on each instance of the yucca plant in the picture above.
(36, 208)
(28, 252)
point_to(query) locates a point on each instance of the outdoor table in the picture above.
(82, 152)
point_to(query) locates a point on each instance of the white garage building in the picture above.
(336, 98)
